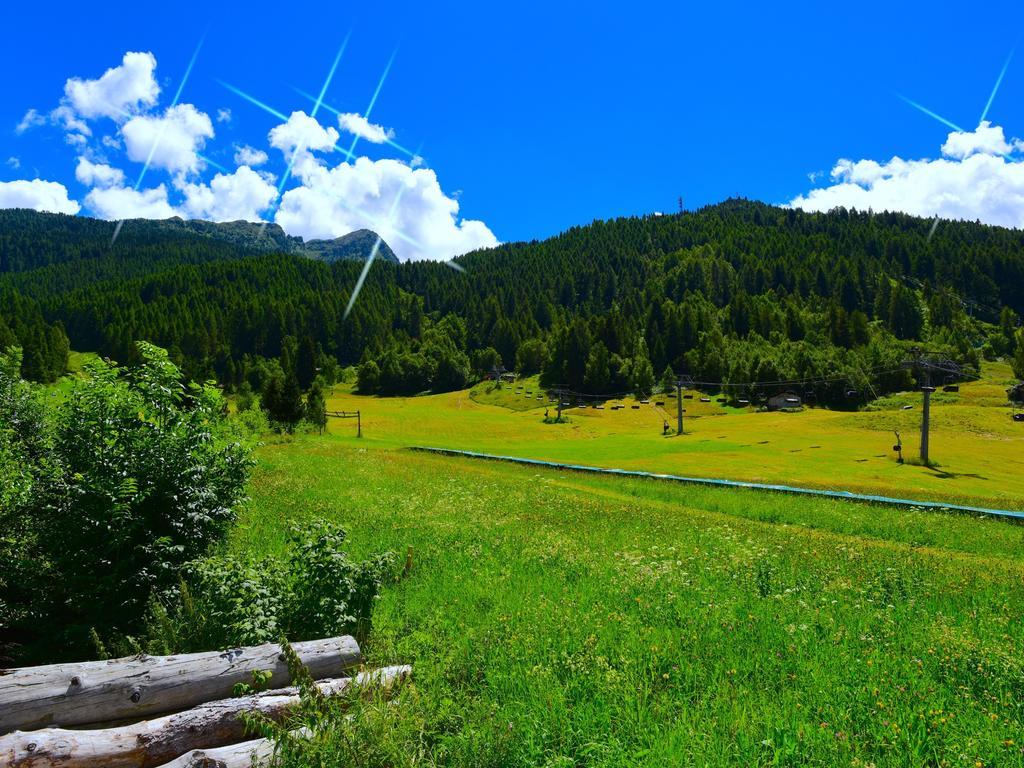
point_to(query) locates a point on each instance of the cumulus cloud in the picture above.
(14, 162)
(31, 119)
(302, 133)
(97, 174)
(118, 202)
(335, 201)
(986, 139)
(38, 195)
(229, 197)
(246, 155)
(980, 176)
(118, 92)
(325, 201)
(357, 125)
(174, 139)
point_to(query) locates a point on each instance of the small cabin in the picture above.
(786, 401)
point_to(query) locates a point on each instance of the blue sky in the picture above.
(530, 118)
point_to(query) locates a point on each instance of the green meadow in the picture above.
(561, 619)
(975, 445)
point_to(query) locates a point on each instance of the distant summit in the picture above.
(354, 245)
(270, 237)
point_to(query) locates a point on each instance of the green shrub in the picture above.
(314, 590)
(133, 474)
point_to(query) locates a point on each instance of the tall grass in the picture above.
(559, 619)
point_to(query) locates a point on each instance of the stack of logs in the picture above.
(93, 713)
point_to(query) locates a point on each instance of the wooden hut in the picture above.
(785, 401)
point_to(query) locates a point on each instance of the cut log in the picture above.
(132, 688)
(256, 752)
(154, 742)
(245, 755)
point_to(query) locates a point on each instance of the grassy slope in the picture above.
(561, 619)
(977, 446)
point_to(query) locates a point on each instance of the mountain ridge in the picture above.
(250, 237)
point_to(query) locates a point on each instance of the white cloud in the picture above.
(14, 162)
(246, 155)
(115, 203)
(325, 202)
(174, 139)
(31, 119)
(229, 197)
(985, 139)
(97, 174)
(38, 195)
(979, 178)
(119, 91)
(76, 127)
(302, 132)
(357, 125)
(335, 201)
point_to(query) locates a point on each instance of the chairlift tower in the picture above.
(681, 383)
(924, 364)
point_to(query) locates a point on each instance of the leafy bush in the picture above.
(25, 444)
(314, 590)
(133, 474)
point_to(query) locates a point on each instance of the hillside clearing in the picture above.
(974, 442)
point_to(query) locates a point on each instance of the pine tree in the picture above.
(668, 379)
(641, 373)
(291, 403)
(316, 407)
(597, 376)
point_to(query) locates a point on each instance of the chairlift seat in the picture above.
(705, 399)
(687, 397)
(635, 407)
(951, 388)
(660, 402)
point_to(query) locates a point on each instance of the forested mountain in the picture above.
(736, 292)
(31, 240)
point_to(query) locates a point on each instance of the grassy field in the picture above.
(975, 444)
(561, 619)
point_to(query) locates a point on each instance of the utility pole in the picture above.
(682, 381)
